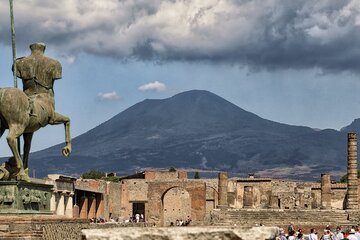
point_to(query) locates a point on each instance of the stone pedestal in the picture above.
(24, 197)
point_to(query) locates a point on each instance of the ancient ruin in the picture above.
(163, 197)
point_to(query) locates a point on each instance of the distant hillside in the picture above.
(199, 130)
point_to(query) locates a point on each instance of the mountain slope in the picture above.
(197, 129)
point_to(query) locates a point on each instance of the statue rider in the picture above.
(37, 72)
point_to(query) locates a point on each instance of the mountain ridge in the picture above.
(198, 129)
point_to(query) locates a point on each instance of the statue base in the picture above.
(18, 197)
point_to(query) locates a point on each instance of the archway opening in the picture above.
(176, 205)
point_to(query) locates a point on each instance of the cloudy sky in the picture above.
(295, 62)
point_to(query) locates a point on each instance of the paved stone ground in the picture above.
(182, 233)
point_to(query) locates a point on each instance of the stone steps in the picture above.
(34, 235)
(279, 217)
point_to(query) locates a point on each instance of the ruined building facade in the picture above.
(163, 196)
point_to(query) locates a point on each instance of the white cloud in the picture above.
(153, 86)
(109, 96)
(70, 59)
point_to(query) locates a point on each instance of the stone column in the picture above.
(325, 191)
(101, 207)
(69, 205)
(60, 210)
(222, 188)
(76, 211)
(92, 207)
(53, 202)
(352, 187)
(84, 203)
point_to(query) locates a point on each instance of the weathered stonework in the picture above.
(157, 191)
(352, 187)
(176, 233)
(24, 197)
(325, 191)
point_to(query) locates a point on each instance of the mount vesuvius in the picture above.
(199, 130)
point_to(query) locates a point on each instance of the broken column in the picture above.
(325, 191)
(352, 187)
(222, 188)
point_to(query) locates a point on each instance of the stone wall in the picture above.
(91, 185)
(165, 175)
(112, 200)
(249, 193)
(157, 190)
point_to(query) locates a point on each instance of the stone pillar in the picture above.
(248, 197)
(101, 207)
(69, 206)
(92, 207)
(352, 187)
(84, 204)
(76, 211)
(60, 210)
(325, 191)
(222, 188)
(53, 202)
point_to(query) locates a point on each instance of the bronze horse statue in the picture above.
(24, 112)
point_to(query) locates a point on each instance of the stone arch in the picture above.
(212, 198)
(176, 204)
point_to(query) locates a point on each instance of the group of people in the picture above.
(137, 218)
(328, 234)
(180, 222)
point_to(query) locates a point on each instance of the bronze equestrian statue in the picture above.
(24, 112)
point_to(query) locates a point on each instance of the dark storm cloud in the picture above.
(270, 34)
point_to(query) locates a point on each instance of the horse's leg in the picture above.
(58, 119)
(14, 132)
(27, 146)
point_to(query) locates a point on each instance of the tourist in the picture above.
(181, 223)
(291, 228)
(142, 218)
(177, 222)
(137, 217)
(357, 233)
(299, 236)
(326, 236)
(188, 221)
(282, 234)
(338, 234)
(352, 235)
(291, 235)
(313, 235)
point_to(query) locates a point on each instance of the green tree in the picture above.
(343, 179)
(172, 169)
(93, 174)
(112, 178)
(196, 175)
